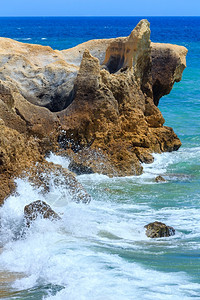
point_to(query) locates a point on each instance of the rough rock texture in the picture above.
(113, 124)
(96, 102)
(160, 179)
(158, 230)
(17, 154)
(39, 209)
(21, 115)
(168, 63)
(20, 157)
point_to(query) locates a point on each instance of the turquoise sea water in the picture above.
(100, 251)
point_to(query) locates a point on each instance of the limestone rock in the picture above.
(96, 101)
(143, 155)
(111, 122)
(17, 153)
(158, 230)
(168, 63)
(20, 156)
(39, 209)
(39, 73)
(160, 179)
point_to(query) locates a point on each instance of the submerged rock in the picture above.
(160, 179)
(49, 175)
(158, 230)
(39, 209)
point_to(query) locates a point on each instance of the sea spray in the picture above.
(101, 247)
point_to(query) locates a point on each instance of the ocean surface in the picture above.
(99, 251)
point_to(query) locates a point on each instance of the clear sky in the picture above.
(100, 8)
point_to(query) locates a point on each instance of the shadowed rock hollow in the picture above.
(96, 103)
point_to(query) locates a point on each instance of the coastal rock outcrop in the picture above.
(168, 63)
(20, 156)
(39, 209)
(17, 154)
(158, 230)
(159, 178)
(96, 103)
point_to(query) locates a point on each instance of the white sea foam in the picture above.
(160, 166)
(99, 251)
(60, 160)
(25, 39)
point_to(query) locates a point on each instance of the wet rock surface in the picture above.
(49, 175)
(158, 230)
(39, 209)
(160, 179)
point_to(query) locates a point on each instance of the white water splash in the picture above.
(99, 251)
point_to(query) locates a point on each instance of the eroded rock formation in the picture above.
(20, 156)
(96, 103)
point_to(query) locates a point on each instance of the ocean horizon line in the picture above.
(100, 16)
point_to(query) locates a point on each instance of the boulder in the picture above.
(158, 230)
(159, 178)
(39, 209)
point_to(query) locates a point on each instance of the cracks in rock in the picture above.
(28, 124)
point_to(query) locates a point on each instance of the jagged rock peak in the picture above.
(124, 52)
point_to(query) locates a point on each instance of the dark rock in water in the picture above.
(160, 179)
(158, 229)
(39, 208)
(79, 168)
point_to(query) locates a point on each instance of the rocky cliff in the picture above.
(96, 103)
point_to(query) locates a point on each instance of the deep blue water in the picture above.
(66, 32)
(100, 251)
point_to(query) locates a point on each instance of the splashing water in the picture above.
(100, 250)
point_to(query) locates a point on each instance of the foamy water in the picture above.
(100, 250)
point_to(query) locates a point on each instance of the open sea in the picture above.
(100, 251)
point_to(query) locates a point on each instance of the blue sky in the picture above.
(100, 8)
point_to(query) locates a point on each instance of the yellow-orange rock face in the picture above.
(97, 103)
(17, 153)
